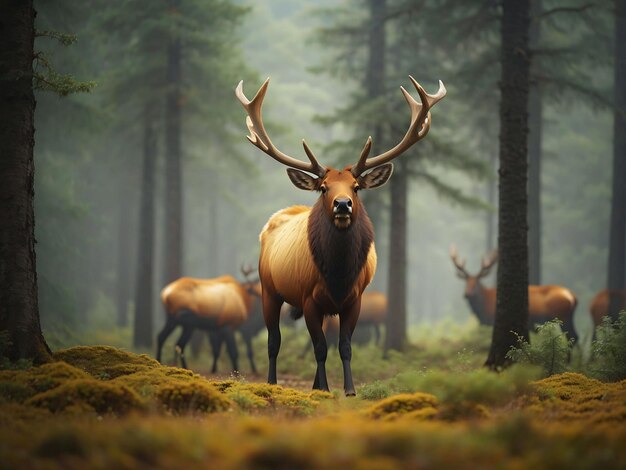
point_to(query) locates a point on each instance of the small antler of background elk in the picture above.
(247, 270)
(485, 266)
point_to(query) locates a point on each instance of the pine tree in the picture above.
(511, 319)
(617, 243)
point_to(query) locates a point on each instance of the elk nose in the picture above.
(343, 205)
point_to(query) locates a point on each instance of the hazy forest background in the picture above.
(90, 146)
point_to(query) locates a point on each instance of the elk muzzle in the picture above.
(342, 211)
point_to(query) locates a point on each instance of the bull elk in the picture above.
(544, 302)
(217, 305)
(599, 306)
(320, 259)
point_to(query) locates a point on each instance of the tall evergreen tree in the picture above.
(535, 125)
(512, 295)
(142, 331)
(173, 150)
(617, 241)
(19, 310)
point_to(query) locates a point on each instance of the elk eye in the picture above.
(323, 189)
(356, 188)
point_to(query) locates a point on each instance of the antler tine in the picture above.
(260, 138)
(487, 263)
(459, 264)
(418, 128)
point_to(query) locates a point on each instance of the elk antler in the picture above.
(259, 137)
(419, 127)
(487, 263)
(247, 270)
(458, 264)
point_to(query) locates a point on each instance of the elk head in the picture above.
(339, 188)
(472, 282)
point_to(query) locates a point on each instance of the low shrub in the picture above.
(549, 349)
(608, 360)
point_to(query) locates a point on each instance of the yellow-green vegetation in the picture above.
(104, 407)
(572, 396)
(405, 404)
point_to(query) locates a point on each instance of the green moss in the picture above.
(375, 391)
(397, 405)
(246, 400)
(192, 397)
(104, 361)
(20, 385)
(573, 396)
(88, 394)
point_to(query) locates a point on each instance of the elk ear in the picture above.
(377, 177)
(302, 180)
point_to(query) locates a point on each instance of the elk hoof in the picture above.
(350, 393)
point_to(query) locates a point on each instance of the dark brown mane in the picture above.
(339, 254)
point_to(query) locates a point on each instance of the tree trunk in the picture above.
(173, 171)
(19, 310)
(375, 86)
(142, 331)
(617, 248)
(396, 318)
(534, 154)
(491, 215)
(123, 255)
(512, 296)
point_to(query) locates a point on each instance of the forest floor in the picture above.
(433, 406)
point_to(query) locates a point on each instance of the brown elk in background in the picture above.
(320, 259)
(373, 315)
(599, 306)
(544, 302)
(217, 305)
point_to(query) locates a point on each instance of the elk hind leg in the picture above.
(271, 314)
(181, 343)
(170, 324)
(215, 338)
(231, 346)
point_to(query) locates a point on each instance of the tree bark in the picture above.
(396, 318)
(173, 170)
(142, 331)
(535, 122)
(617, 242)
(123, 255)
(512, 296)
(19, 309)
(375, 87)
(490, 221)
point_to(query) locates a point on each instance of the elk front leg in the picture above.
(347, 323)
(271, 314)
(314, 319)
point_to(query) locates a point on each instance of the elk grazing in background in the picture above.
(544, 302)
(217, 305)
(320, 259)
(599, 306)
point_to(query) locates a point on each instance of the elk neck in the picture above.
(339, 254)
(478, 304)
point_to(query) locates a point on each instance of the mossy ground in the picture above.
(102, 407)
